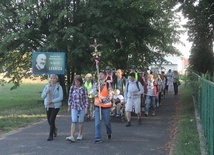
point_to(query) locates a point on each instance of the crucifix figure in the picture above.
(95, 45)
(97, 56)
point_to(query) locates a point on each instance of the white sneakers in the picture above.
(72, 139)
(79, 137)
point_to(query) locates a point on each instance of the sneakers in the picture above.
(70, 138)
(146, 114)
(79, 137)
(109, 137)
(55, 132)
(153, 113)
(118, 115)
(112, 114)
(50, 138)
(128, 124)
(98, 141)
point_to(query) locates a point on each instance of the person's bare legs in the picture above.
(139, 118)
(80, 128)
(128, 117)
(73, 127)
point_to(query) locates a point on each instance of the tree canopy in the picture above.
(200, 30)
(137, 32)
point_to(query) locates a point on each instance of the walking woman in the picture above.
(151, 92)
(77, 103)
(53, 96)
(175, 77)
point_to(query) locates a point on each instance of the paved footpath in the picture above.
(150, 138)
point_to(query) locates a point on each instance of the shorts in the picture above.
(133, 102)
(77, 115)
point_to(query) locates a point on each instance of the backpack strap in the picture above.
(137, 85)
(92, 82)
(127, 87)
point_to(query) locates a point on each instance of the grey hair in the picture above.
(54, 75)
(88, 75)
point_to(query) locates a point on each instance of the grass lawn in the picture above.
(20, 107)
(187, 138)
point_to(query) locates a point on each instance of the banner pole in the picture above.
(48, 95)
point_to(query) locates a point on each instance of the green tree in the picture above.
(136, 32)
(140, 32)
(200, 30)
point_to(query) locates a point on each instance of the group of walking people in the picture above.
(96, 100)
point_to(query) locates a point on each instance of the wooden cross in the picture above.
(95, 45)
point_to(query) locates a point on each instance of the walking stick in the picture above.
(97, 59)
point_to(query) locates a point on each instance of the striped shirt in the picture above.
(78, 98)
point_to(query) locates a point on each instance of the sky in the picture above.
(184, 49)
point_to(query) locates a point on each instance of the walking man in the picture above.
(102, 105)
(132, 97)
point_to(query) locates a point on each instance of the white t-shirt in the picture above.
(150, 88)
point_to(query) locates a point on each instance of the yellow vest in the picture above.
(136, 76)
(88, 86)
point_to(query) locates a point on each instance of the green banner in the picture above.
(48, 63)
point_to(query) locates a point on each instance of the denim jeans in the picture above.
(175, 84)
(150, 99)
(106, 117)
(77, 114)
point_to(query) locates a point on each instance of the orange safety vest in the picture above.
(103, 100)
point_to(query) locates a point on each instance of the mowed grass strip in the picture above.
(20, 107)
(187, 138)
